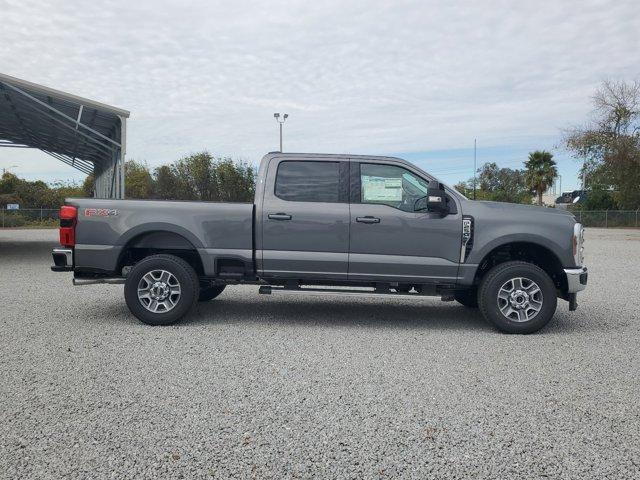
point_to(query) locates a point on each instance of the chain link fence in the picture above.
(29, 218)
(48, 217)
(608, 218)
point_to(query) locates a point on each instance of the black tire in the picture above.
(497, 277)
(468, 298)
(182, 273)
(209, 293)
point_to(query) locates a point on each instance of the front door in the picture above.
(305, 219)
(392, 241)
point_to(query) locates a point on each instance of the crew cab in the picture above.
(333, 225)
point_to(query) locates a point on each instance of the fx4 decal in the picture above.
(100, 212)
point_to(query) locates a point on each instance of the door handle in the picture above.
(279, 216)
(367, 219)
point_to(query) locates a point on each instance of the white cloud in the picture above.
(362, 77)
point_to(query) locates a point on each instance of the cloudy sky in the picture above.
(418, 79)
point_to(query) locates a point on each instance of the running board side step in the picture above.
(270, 290)
(94, 281)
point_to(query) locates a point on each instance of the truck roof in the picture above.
(337, 156)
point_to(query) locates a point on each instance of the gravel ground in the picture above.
(287, 387)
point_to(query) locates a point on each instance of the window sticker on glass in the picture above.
(381, 189)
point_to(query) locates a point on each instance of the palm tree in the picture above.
(540, 172)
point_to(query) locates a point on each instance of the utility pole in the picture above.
(280, 123)
(475, 167)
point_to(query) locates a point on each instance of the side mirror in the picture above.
(437, 201)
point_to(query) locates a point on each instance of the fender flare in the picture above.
(145, 228)
(478, 256)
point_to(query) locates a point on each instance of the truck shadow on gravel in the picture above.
(432, 315)
(429, 314)
(339, 313)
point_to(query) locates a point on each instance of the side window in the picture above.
(308, 181)
(391, 185)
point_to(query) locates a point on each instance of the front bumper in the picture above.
(576, 279)
(62, 260)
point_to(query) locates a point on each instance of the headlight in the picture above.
(578, 244)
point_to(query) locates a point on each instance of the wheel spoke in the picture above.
(506, 310)
(532, 289)
(148, 279)
(535, 307)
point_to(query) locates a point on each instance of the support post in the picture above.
(123, 153)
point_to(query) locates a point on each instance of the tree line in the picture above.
(35, 193)
(200, 176)
(512, 185)
(196, 177)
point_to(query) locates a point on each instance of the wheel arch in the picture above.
(155, 227)
(142, 242)
(527, 251)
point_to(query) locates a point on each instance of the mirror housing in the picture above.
(437, 201)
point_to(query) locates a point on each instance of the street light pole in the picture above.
(280, 123)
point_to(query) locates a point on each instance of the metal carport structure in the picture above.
(87, 135)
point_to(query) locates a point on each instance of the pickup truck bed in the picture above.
(214, 230)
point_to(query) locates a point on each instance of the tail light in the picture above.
(68, 220)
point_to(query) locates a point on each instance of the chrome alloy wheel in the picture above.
(159, 291)
(520, 299)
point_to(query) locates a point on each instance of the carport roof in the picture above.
(78, 131)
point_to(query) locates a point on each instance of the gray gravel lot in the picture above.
(287, 387)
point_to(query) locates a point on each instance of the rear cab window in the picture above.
(309, 181)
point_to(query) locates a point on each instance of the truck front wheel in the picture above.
(517, 297)
(161, 289)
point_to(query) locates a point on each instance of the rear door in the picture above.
(305, 219)
(392, 241)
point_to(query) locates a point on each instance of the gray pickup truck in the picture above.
(331, 225)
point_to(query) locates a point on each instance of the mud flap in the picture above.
(573, 301)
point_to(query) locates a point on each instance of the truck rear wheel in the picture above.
(209, 293)
(161, 289)
(517, 297)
